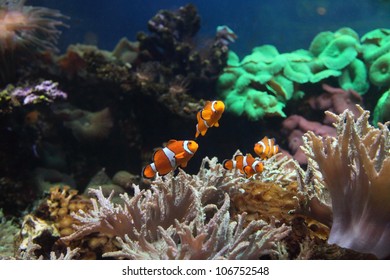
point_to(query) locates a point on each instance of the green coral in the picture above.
(264, 81)
(376, 54)
(382, 109)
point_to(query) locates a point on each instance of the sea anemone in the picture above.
(179, 86)
(25, 28)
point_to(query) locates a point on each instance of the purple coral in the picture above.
(336, 100)
(45, 91)
(295, 127)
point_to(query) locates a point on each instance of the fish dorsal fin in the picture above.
(171, 141)
(247, 170)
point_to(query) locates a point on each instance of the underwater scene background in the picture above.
(202, 130)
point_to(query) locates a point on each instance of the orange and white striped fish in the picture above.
(266, 148)
(247, 164)
(175, 153)
(209, 116)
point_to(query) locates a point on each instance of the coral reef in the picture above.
(354, 167)
(181, 217)
(77, 128)
(171, 46)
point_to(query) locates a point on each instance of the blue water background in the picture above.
(288, 24)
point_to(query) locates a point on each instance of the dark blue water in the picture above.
(288, 25)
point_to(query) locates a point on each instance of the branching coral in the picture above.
(355, 167)
(181, 217)
(219, 238)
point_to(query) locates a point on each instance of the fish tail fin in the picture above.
(148, 172)
(248, 171)
(227, 164)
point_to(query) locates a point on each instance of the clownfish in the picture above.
(175, 153)
(266, 148)
(247, 164)
(209, 116)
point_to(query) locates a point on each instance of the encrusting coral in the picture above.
(181, 217)
(354, 167)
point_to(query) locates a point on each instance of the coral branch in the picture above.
(354, 166)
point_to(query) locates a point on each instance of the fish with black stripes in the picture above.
(247, 164)
(209, 116)
(266, 148)
(175, 153)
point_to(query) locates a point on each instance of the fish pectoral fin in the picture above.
(216, 124)
(206, 114)
(163, 174)
(183, 164)
(180, 155)
(247, 171)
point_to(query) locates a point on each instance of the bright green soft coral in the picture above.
(382, 109)
(376, 53)
(264, 81)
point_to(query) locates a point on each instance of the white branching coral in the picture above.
(180, 217)
(219, 238)
(355, 167)
(279, 169)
